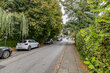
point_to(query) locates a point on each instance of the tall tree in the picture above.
(79, 14)
(8, 23)
(44, 16)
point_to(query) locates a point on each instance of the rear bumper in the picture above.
(23, 47)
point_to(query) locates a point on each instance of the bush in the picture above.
(9, 43)
(80, 42)
(94, 49)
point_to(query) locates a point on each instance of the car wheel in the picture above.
(5, 54)
(29, 48)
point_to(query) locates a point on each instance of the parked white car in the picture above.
(27, 45)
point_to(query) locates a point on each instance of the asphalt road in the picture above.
(39, 60)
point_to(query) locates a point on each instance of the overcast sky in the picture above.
(64, 17)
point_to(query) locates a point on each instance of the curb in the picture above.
(84, 66)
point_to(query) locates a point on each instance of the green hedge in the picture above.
(9, 43)
(80, 43)
(94, 49)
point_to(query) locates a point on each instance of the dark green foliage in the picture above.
(44, 16)
(9, 43)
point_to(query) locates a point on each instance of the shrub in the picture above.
(94, 49)
(9, 43)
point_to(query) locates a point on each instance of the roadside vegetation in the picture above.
(89, 21)
(9, 43)
(29, 19)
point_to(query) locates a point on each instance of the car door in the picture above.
(31, 43)
(35, 44)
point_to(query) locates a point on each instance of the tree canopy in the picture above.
(79, 14)
(43, 16)
(8, 21)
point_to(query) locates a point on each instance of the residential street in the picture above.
(43, 60)
(40, 60)
(54, 36)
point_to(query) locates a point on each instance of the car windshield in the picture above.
(24, 41)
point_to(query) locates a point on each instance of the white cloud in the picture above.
(64, 17)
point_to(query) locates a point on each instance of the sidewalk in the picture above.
(70, 63)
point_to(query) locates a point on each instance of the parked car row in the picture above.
(49, 41)
(29, 44)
